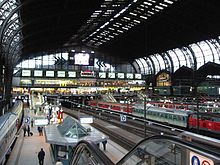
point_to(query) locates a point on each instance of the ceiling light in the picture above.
(137, 21)
(119, 31)
(159, 7)
(111, 28)
(162, 4)
(125, 28)
(168, 1)
(143, 17)
(126, 18)
(147, 3)
(134, 14)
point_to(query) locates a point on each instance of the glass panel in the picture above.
(149, 68)
(181, 57)
(199, 55)
(215, 48)
(140, 65)
(162, 63)
(156, 63)
(175, 60)
(206, 51)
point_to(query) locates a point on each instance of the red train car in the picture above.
(207, 122)
(112, 106)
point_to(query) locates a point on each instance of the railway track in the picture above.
(134, 126)
(117, 137)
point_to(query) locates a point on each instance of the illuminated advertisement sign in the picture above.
(87, 73)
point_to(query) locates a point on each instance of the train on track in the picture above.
(204, 121)
(204, 106)
(181, 118)
(10, 123)
(111, 106)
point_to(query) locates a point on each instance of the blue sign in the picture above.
(195, 160)
(123, 118)
(27, 120)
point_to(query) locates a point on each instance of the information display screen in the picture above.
(81, 59)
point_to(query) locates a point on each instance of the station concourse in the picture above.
(134, 70)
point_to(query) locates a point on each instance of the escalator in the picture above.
(156, 150)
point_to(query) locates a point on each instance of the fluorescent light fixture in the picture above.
(134, 14)
(111, 36)
(115, 25)
(126, 18)
(167, 1)
(143, 17)
(147, 3)
(159, 7)
(119, 31)
(136, 21)
(124, 28)
(111, 28)
(162, 4)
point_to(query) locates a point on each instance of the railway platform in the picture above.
(26, 148)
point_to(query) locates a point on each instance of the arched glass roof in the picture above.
(48, 61)
(193, 56)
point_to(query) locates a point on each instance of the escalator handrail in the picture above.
(187, 144)
(93, 148)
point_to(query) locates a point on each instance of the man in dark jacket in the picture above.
(41, 155)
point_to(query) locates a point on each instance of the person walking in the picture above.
(24, 129)
(32, 122)
(104, 144)
(28, 130)
(41, 156)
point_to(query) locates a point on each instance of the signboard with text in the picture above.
(121, 75)
(49, 73)
(71, 74)
(26, 73)
(61, 74)
(111, 75)
(102, 75)
(38, 73)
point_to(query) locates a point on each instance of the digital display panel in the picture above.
(121, 75)
(130, 76)
(81, 59)
(49, 73)
(26, 72)
(111, 75)
(71, 74)
(60, 73)
(102, 75)
(138, 76)
(38, 73)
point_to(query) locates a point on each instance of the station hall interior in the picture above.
(110, 82)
